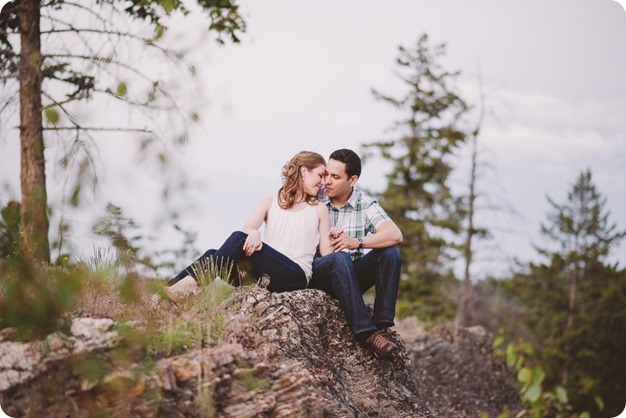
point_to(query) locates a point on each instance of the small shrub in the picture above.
(250, 381)
(538, 401)
(206, 270)
(35, 300)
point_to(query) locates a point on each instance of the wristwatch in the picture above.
(360, 241)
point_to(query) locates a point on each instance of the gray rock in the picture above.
(283, 355)
(458, 374)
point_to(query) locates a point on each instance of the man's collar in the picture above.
(353, 197)
(352, 200)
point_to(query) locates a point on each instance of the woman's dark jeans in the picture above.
(284, 273)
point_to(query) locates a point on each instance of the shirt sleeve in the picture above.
(374, 216)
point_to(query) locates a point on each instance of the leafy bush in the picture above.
(35, 300)
(538, 401)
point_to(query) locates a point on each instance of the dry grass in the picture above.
(169, 326)
(102, 288)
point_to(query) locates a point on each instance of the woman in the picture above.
(295, 224)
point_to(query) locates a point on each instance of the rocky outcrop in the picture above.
(281, 355)
(458, 375)
(21, 362)
(309, 327)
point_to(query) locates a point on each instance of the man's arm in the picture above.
(387, 235)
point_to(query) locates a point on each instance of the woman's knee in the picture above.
(238, 235)
(236, 238)
(209, 253)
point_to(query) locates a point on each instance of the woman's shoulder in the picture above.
(321, 209)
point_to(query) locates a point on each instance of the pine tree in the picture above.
(419, 148)
(585, 237)
(569, 296)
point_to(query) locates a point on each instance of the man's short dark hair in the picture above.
(350, 159)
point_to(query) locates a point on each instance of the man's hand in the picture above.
(342, 242)
(253, 243)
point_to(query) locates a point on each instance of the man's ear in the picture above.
(353, 180)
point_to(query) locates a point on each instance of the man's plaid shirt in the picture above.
(359, 216)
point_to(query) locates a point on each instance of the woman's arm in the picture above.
(253, 224)
(324, 229)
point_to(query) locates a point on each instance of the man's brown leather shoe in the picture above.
(382, 346)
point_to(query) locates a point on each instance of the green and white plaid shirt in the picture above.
(359, 216)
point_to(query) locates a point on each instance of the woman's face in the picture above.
(312, 180)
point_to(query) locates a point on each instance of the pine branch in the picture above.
(98, 129)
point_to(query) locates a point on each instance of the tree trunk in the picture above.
(34, 215)
(464, 315)
(569, 325)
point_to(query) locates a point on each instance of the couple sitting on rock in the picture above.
(318, 207)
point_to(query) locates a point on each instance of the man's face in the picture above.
(338, 185)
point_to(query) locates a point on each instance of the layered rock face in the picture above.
(282, 355)
(308, 327)
(458, 375)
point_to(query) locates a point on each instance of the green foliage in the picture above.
(116, 228)
(175, 339)
(598, 377)
(251, 381)
(575, 299)
(91, 368)
(209, 269)
(169, 258)
(223, 15)
(581, 226)
(52, 116)
(538, 401)
(35, 299)
(121, 89)
(88, 55)
(9, 229)
(432, 299)
(131, 255)
(419, 147)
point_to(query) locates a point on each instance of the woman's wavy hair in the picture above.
(292, 178)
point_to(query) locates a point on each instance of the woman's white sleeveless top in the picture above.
(293, 233)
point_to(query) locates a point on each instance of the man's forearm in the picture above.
(382, 239)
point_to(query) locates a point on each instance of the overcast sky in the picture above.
(553, 74)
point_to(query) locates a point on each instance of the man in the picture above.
(358, 223)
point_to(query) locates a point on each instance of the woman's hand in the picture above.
(251, 227)
(253, 243)
(343, 242)
(334, 232)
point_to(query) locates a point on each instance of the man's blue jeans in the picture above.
(347, 280)
(284, 273)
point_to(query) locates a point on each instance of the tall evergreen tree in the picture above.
(419, 148)
(582, 230)
(571, 293)
(56, 53)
